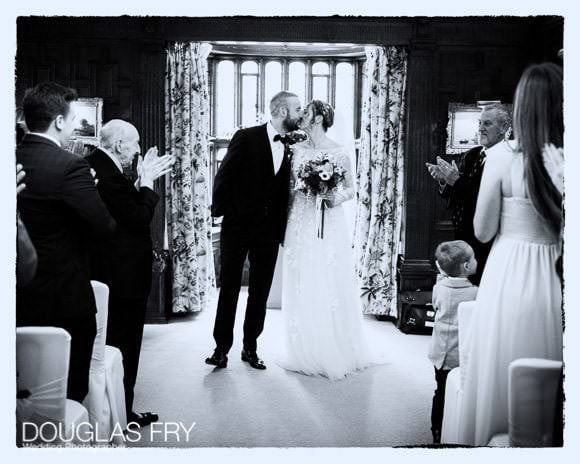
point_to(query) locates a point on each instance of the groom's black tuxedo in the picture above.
(247, 192)
(253, 200)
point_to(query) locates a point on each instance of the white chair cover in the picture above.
(106, 400)
(115, 388)
(456, 378)
(42, 362)
(533, 391)
(501, 440)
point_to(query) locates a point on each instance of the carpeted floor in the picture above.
(386, 405)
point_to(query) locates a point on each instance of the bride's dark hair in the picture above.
(325, 110)
(538, 120)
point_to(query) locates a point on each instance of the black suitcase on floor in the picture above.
(415, 312)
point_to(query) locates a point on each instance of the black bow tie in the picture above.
(283, 139)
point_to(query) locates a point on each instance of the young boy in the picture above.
(456, 262)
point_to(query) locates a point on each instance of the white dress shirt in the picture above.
(277, 147)
(46, 136)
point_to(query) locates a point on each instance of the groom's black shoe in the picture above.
(252, 358)
(217, 359)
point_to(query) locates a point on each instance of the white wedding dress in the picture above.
(320, 296)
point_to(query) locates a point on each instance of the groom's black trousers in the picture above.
(235, 245)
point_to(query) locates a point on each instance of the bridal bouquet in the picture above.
(316, 176)
(319, 175)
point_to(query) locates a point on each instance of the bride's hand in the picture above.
(328, 197)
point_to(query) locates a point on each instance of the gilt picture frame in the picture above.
(462, 127)
(89, 120)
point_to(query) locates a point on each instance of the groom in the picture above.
(251, 193)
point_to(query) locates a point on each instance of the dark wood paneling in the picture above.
(421, 100)
(150, 119)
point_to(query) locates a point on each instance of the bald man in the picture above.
(124, 261)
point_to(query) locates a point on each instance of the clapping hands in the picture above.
(20, 174)
(151, 167)
(444, 171)
(94, 174)
(554, 164)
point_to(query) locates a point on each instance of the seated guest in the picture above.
(124, 260)
(459, 181)
(456, 262)
(518, 310)
(58, 207)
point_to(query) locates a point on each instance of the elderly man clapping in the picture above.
(459, 181)
(124, 262)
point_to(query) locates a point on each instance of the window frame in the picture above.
(285, 60)
(215, 57)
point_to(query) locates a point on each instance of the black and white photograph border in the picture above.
(227, 414)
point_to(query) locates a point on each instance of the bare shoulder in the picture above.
(500, 156)
(332, 144)
(503, 152)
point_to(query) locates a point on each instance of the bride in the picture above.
(320, 296)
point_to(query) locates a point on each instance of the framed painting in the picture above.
(89, 119)
(462, 127)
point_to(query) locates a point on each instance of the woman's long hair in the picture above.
(538, 120)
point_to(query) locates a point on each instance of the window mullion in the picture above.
(261, 86)
(331, 86)
(357, 107)
(285, 73)
(238, 93)
(308, 70)
(213, 96)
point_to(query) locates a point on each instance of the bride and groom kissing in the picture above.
(265, 193)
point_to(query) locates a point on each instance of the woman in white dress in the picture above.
(519, 304)
(320, 295)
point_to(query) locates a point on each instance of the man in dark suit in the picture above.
(59, 207)
(124, 260)
(251, 193)
(459, 181)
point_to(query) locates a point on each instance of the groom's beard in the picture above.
(289, 124)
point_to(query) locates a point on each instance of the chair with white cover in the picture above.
(532, 396)
(456, 378)
(106, 398)
(45, 415)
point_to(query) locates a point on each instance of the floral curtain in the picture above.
(380, 178)
(188, 199)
